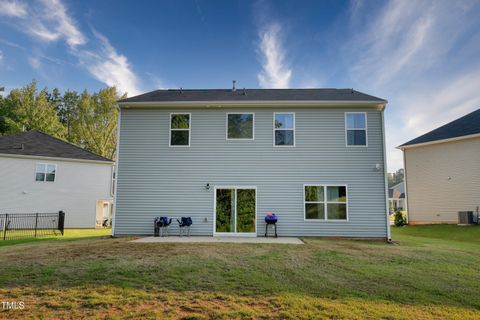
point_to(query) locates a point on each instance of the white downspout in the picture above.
(116, 171)
(385, 172)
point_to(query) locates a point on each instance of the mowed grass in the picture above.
(426, 276)
(69, 234)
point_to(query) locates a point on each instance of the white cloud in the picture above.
(62, 25)
(106, 65)
(418, 56)
(50, 21)
(1, 56)
(275, 71)
(12, 9)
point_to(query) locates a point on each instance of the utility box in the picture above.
(465, 218)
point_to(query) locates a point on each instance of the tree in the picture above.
(396, 177)
(67, 111)
(94, 126)
(28, 109)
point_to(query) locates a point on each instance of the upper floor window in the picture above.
(356, 128)
(45, 172)
(180, 129)
(240, 126)
(284, 128)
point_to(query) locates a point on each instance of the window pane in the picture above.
(356, 121)
(314, 211)
(284, 121)
(246, 210)
(179, 138)
(356, 138)
(50, 177)
(284, 137)
(180, 121)
(225, 203)
(337, 194)
(314, 193)
(337, 211)
(40, 172)
(240, 126)
(51, 168)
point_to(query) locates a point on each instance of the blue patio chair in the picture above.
(184, 224)
(161, 226)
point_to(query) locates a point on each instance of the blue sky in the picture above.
(422, 56)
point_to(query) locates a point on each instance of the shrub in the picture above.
(400, 218)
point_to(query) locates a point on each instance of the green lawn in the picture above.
(69, 234)
(433, 273)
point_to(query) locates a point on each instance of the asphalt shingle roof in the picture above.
(36, 143)
(186, 95)
(464, 126)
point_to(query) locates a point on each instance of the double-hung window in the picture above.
(45, 172)
(240, 126)
(356, 128)
(180, 129)
(325, 202)
(284, 128)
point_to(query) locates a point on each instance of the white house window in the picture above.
(240, 126)
(284, 128)
(180, 129)
(356, 128)
(45, 172)
(325, 202)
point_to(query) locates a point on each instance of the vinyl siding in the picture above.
(432, 197)
(77, 187)
(157, 180)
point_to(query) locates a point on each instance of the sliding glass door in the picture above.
(235, 210)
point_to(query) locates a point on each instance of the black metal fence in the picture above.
(28, 225)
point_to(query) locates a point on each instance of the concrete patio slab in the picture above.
(194, 239)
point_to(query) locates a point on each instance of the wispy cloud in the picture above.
(50, 21)
(12, 9)
(415, 55)
(105, 64)
(275, 72)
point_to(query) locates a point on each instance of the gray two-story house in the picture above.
(226, 158)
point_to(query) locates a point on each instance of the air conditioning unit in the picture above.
(465, 218)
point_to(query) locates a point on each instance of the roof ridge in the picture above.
(70, 144)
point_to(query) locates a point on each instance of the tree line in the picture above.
(88, 120)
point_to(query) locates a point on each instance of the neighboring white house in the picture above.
(40, 173)
(396, 196)
(442, 171)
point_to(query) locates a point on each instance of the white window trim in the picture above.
(293, 129)
(240, 139)
(325, 203)
(189, 129)
(366, 131)
(45, 171)
(233, 234)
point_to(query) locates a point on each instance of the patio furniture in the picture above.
(161, 225)
(184, 224)
(271, 222)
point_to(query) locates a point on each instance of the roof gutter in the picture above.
(470, 136)
(262, 103)
(35, 157)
